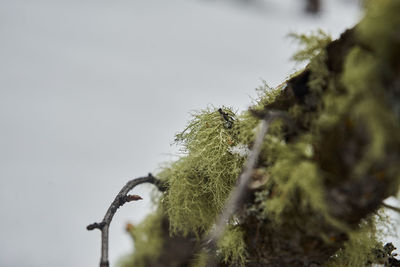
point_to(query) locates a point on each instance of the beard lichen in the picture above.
(199, 182)
(231, 247)
(359, 250)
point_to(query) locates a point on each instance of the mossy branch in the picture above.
(322, 172)
(121, 198)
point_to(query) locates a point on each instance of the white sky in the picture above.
(92, 93)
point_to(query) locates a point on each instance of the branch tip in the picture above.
(133, 198)
(95, 226)
(121, 198)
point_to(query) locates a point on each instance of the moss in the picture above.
(147, 237)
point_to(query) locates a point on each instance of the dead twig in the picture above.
(120, 200)
(391, 207)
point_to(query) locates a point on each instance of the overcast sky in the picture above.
(92, 93)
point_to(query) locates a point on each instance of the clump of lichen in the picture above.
(311, 45)
(231, 247)
(364, 105)
(313, 51)
(200, 181)
(248, 122)
(359, 250)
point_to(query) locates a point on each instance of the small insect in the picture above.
(228, 119)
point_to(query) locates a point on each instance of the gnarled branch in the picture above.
(121, 198)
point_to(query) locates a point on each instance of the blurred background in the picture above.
(92, 93)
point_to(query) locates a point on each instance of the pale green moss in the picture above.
(200, 182)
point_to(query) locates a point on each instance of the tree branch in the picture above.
(121, 198)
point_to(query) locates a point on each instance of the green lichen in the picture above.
(378, 30)
(313, 51)
(364, 76)
(248, 122)
(200, 182)
(311, 45)
(147, 237)
(359, 250)
(231, 247)
(200, 260)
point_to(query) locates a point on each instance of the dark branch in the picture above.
(120, 200)
(391, 207)
(95, 226)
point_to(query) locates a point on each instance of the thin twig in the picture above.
(119, 200)
(391, 207)
(237, 195)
